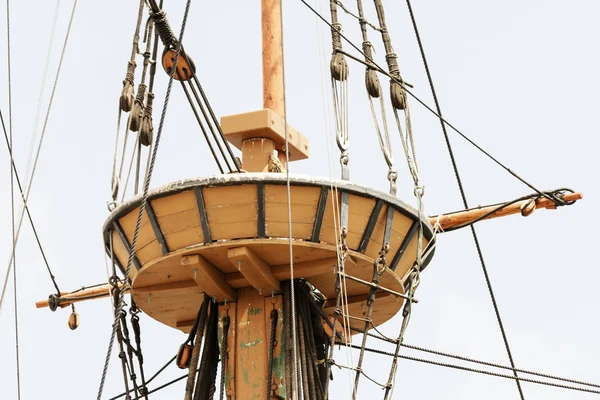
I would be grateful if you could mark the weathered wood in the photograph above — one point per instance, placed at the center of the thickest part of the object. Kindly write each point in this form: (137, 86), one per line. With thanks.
(251, 345)
(451, 220)
(255, 270)
(272, 39)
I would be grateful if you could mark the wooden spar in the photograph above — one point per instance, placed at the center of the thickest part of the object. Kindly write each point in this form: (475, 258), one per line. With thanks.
(66, 299)
(452, 220)
(272, 56)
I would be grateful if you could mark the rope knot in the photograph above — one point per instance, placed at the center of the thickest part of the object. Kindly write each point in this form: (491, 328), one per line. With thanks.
(167, 36)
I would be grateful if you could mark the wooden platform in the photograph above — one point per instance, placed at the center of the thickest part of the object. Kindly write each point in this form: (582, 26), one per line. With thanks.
(220, 234)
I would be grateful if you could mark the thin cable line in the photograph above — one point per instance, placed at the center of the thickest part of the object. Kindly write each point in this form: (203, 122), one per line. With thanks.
(26, 196)
(26, 208)
(374, 65)
(474, 370)
(12, 200)
(296, 391)
(464, 200)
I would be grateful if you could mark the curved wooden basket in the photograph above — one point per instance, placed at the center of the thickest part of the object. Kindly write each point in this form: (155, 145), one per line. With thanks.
(218, 234)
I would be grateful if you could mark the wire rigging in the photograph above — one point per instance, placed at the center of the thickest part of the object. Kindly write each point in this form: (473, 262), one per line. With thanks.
(430, 109)
(26, 208)
(26, 195)
(464, 200)
(12, 202)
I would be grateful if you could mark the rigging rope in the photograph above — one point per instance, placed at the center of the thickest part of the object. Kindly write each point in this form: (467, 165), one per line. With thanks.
(475, 370)
(26, 195)
(430, 109)
(12, 201)
(119, 304)
(297, 373)
(464, 200)
(25, 209)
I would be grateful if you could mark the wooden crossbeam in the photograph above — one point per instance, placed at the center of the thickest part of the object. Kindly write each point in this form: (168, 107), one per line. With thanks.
(254, 269)
(210, 279)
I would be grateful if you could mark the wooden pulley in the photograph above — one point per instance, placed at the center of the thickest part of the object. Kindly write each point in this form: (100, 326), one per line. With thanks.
(184, 356)
(398, 96)
(185, 65)
(74, 321)
(339, 67)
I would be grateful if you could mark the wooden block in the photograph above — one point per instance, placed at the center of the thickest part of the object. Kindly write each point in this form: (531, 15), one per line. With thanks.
(210, 279)
(255, 270)
(264, 124)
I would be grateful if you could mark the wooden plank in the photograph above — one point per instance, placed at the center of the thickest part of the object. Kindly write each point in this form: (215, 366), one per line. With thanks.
(210, 279)
(165, 286)
(255, 270)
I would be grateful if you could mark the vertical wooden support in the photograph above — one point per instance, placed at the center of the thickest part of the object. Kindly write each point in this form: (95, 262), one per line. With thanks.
(251, 346)
(272, 57)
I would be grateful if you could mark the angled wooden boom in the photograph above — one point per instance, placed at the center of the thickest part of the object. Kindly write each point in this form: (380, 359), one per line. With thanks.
(455, 219)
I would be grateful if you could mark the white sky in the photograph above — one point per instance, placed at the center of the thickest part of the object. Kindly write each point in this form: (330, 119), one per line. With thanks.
(519, 78)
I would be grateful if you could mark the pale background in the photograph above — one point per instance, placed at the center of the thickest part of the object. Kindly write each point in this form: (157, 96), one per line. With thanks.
(520, 78)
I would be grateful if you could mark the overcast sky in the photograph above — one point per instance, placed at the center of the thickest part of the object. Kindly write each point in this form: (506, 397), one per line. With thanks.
(518, 77)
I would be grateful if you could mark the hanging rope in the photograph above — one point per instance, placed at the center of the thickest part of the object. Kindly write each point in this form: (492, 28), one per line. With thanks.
(225, 353)
(207, 373)
(198, 331)
(272, 343)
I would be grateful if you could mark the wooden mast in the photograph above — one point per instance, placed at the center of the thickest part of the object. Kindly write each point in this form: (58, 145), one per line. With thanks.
(257, 134)
(272, 57)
